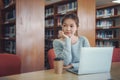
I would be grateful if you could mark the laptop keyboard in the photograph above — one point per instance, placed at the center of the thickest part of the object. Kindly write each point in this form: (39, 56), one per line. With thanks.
(73, 70)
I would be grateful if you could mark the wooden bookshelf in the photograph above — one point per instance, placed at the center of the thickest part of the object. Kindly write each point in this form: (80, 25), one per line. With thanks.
(29, 32)
(108, 25)
(10, 6)
(8, 26)
(59, 9)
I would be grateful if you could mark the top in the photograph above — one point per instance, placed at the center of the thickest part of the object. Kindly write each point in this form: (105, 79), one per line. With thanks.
(70, 52)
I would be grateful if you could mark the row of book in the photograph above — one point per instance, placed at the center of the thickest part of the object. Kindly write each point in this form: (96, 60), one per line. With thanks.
(9, 31)
(100, 23)
(49, 23)
(107, 12)
(108, 34)
(10, 46)
(49, 12)
(59, 20)
(11, 15)
(62, 9)
(105, 23)
(8, 2)
(105, 44)
(49, 44)
(117, 21)
(105, 34)
(117, 33)
(49, 34)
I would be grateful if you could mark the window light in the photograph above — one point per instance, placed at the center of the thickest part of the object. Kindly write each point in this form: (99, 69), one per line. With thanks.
(116, 1)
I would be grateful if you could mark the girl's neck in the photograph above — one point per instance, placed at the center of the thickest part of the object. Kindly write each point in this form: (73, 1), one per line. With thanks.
(74, 39)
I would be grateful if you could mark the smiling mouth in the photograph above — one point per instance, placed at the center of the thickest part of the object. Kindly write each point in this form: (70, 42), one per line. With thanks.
(68, 32)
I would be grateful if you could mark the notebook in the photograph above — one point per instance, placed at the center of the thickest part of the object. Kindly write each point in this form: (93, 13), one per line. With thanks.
(94, 60)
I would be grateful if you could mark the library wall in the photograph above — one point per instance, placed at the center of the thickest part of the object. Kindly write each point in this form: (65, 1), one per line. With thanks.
(30, 34)
(86, 14)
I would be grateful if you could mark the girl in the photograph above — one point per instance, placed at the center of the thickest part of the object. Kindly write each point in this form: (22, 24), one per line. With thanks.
(69, 44)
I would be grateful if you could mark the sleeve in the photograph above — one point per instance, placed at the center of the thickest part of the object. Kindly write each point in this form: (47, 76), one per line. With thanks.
(86, 42)
(64, 51)
(75, 65)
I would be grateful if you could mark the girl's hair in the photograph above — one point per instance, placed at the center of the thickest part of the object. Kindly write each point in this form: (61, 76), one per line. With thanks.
(71, 16)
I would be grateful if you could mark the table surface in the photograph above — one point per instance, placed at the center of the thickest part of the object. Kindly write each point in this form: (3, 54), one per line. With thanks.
(50, 75)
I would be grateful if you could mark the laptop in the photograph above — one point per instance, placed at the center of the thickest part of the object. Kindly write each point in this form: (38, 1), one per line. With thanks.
(94, 60)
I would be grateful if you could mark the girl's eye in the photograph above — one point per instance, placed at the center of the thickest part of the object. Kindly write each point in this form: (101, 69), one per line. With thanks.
(71, 26)
(64, 25)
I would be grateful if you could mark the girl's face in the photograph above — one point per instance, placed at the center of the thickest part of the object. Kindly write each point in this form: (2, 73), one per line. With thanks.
(69, 27)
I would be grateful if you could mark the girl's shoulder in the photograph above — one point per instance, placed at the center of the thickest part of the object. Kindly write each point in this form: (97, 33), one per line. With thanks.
(82, 37)
(57, 41)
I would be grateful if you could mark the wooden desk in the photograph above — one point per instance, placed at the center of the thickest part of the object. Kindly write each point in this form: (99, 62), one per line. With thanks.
(50, 75)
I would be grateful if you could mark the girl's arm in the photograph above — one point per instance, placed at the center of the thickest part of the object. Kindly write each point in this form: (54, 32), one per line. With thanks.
(63, 49)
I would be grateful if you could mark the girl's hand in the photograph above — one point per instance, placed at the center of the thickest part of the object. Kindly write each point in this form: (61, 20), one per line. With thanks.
(67, 67)
(62, 35)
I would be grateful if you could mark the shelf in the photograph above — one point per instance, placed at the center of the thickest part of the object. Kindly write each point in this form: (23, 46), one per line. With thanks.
(9, 6)
(51, 28)
(7, 38)
(59, 27)
(59, 14)
(60, 2)
(113, 27)
(8, 22)
(62, 14)
(49, 17)
(12, 21)
(107, 17)
(115, 39)
(9, 52)
(50, 38)
(107, 6)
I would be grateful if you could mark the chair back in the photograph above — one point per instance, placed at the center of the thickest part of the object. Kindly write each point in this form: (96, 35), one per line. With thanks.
(51, 56)
(9, 64)
(116, 55)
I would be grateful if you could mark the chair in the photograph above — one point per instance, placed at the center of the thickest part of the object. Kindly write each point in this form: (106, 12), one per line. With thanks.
(51, 56)
(116, 55)
(9, 64)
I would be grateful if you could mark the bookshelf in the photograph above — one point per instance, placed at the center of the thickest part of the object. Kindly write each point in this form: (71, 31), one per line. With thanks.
(8, 26)
(22, 25)
(53, 16)
(54, 13)
(108, 26)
